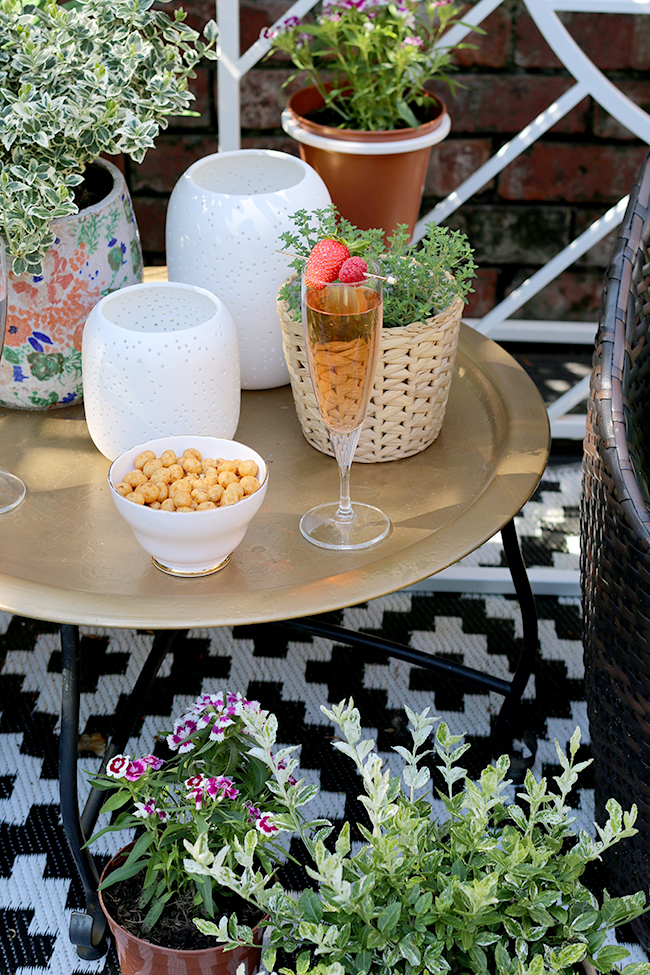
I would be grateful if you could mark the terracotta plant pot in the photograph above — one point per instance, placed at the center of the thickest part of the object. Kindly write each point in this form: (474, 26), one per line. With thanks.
(375, 179)
(97, 250)
(137, 956)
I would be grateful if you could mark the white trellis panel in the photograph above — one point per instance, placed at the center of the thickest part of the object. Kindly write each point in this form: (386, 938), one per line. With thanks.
(499, 324)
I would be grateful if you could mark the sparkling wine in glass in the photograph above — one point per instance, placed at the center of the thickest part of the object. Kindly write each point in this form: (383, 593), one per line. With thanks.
(12, 489)
(342, 326)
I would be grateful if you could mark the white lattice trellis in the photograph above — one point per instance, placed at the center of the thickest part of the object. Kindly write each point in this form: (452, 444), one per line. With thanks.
(499, 324)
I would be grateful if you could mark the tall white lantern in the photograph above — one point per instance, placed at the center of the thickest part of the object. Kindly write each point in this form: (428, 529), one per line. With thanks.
(224, 221)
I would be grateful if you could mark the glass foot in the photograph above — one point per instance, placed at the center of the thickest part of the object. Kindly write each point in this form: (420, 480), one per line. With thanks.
(12, 491)
(320, 526)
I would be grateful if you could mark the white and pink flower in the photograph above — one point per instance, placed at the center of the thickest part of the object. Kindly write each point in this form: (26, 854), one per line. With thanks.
(153, 762)
(149, 808)
(265, 825)
(181, 737)
(117, 766)
(136, 769)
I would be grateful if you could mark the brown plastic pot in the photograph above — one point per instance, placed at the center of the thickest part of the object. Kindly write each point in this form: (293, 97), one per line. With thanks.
(374, 178)
(137, 956)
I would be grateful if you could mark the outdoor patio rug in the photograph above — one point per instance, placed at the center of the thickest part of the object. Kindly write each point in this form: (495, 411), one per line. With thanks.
(291, 676)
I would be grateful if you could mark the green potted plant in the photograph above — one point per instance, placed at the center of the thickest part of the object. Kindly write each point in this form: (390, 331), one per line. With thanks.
(78, 81)
(492, 888)
(423, 303)
(213, 784)
(366, 120)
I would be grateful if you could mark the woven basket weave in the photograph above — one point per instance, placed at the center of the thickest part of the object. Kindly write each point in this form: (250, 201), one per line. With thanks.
(409, 398)
(615, 548)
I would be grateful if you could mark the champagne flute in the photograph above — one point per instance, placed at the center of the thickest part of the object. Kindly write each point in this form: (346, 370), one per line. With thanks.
(12, 489)
(342, 326)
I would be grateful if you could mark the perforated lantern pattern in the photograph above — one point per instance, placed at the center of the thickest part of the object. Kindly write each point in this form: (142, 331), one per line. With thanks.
(224, 221)
(157, 360)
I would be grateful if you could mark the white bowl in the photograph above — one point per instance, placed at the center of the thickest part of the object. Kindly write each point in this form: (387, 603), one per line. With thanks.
(193, 543)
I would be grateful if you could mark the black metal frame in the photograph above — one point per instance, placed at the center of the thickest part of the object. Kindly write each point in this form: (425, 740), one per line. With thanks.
(88, 929)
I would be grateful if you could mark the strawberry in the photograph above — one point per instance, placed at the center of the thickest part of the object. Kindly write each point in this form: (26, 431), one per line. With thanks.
(325, 262)
(352, 270)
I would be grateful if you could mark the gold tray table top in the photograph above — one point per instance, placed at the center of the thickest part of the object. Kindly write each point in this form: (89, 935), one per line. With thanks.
(67, 555)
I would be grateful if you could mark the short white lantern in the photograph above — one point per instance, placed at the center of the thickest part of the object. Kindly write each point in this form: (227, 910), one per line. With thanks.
(224, 221)
(157, 360)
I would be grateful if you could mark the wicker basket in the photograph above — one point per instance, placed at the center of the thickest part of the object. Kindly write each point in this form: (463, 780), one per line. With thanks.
(408, 402)
(615, 549)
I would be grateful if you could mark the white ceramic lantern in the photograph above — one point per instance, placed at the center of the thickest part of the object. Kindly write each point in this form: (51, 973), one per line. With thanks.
(224, 221)
(157, 360)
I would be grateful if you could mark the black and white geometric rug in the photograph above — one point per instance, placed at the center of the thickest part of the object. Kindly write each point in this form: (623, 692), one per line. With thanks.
(291, 676)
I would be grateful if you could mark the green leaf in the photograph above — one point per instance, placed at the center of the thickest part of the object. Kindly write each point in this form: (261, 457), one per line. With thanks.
(608, 956)
(374, 938)
(571, 955)
(363, 960)
(311, 906)
(123, 873)
(409, 951)
(637, 968)
(585, 921)
(388, 918)
(502, 958)
(116, 801)
(156, 910)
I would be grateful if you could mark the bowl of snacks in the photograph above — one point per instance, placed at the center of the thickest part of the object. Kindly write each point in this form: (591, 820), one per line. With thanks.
(188, 500)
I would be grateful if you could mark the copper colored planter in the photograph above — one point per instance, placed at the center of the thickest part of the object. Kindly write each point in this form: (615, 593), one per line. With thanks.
(137, 956)
(369, 187)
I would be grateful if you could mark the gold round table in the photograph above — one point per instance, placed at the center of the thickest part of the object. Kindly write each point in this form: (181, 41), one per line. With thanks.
(68, 557)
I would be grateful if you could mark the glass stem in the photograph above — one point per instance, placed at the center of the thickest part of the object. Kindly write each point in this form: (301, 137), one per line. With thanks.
(344, 446)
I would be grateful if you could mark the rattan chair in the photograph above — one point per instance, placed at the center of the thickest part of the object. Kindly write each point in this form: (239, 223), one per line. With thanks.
(615, 533)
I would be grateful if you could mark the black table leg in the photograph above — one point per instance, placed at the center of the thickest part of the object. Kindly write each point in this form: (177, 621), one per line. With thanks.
(510, 690)
(88, 929)
(530, 642)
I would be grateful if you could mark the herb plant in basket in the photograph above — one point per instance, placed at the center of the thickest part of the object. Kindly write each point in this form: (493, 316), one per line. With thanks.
(212, 785)
(423, 303)
(480, 885)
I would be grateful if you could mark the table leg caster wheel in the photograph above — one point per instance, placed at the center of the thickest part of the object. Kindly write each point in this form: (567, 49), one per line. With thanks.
(89, 935)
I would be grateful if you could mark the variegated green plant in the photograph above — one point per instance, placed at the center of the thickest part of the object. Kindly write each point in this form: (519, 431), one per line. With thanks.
(492, 888)
(78, 80)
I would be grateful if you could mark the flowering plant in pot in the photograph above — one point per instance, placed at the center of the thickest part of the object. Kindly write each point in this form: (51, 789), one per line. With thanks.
(491, 886)
(370, 60)
(422, 306)
(213, 785)
(367, 63)
(79, 81)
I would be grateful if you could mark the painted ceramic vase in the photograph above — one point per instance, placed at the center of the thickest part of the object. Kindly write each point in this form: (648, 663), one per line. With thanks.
(97, 251)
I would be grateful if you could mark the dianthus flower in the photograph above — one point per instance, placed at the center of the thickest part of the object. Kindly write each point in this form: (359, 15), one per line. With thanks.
(117, 766)
(266, 825)
(149, 808)
(136, 769)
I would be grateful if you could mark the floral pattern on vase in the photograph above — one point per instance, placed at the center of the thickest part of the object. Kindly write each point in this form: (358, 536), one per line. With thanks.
(96, 251)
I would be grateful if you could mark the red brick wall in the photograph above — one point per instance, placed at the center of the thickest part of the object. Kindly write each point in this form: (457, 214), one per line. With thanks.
(539, 203)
